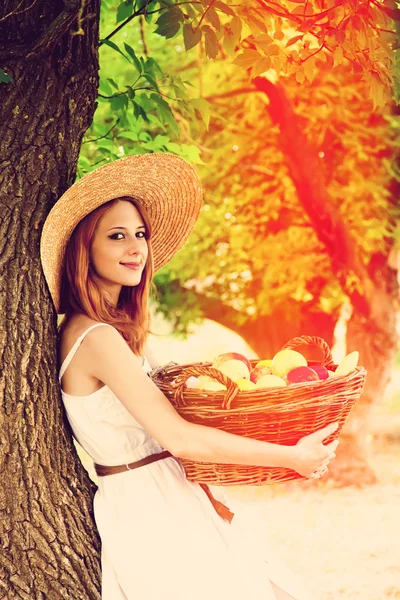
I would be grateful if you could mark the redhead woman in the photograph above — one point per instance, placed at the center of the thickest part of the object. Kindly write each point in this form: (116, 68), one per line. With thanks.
(163, 537)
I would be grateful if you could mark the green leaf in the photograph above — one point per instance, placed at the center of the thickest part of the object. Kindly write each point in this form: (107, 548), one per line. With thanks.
(119, 102)
(236, 26)
(191, 38)
(246, 59)
(152, 81)
(256, 25)
(134, 58)
(169, 23)
(115, 47)
(152, 67)
(260, 66)
(105, 87)
(293, 40)
(211, 42)
(138, 111)
(164, 112)
(4, 77)
(213, 18)
(175, 148)
(124, 11)
(129, 135)
(113, 83)
(224, 8)
(203, 107)
(151, 6)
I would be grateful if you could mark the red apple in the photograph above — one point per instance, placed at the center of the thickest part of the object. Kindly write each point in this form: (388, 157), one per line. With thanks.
(258, 372)
(221, 358)
(300, 374)
(321, 371)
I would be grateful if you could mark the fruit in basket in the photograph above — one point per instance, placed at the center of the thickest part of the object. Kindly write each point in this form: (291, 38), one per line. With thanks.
(264, 363)
(348, 364)
(286, 360)
(270, 381)
(259, 371)
(321, 371)
(209, 384)
(233, 365)
(245, 385)
(301, 374)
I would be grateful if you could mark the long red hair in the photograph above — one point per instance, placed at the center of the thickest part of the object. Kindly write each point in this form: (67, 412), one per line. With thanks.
(81, 294)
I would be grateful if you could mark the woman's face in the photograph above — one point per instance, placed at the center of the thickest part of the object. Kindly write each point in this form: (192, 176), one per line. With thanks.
(119, 249)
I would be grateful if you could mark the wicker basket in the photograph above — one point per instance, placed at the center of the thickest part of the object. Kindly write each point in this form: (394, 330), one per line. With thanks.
(279, 415)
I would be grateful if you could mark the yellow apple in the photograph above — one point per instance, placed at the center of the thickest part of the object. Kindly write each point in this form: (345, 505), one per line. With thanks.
(234, 369)
(264, 363)
(348, 364)
(209, 384)
(259, 371)
(270, 381)
(287, 360)
(245, 385)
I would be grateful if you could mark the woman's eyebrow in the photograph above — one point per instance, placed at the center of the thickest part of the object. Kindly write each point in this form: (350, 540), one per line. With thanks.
(120, 227)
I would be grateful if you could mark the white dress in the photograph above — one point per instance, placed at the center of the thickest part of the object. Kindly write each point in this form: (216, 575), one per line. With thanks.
(161, 537)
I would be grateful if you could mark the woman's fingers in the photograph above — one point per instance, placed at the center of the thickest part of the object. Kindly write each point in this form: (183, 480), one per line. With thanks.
(332, 446)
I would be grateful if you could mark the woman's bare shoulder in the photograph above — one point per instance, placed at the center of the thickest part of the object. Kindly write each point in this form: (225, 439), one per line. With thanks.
(76, 325)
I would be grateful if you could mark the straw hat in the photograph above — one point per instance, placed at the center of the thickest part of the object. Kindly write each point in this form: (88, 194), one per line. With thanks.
(166, 185)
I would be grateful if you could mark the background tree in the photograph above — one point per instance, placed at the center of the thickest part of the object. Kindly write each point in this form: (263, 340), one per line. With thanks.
(48, 54)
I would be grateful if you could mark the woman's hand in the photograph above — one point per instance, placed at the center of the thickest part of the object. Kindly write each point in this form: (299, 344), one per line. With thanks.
(311, 456)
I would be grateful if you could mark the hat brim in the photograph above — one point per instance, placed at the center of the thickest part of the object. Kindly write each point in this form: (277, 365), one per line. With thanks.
(166, 185)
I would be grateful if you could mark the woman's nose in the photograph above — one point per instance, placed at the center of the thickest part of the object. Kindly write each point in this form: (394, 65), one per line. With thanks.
(134, 247)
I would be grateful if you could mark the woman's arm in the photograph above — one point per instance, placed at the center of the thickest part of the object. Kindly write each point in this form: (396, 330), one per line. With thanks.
(151, 357)
(111, 361)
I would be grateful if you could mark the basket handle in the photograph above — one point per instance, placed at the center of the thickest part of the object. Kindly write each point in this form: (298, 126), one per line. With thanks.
(180, 383)
(311, 340)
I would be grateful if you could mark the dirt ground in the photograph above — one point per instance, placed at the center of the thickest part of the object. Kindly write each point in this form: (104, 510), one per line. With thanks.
(344, 542)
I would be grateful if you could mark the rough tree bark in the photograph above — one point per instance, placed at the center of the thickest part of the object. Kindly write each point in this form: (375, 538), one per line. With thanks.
(372, 327)
(49, 545)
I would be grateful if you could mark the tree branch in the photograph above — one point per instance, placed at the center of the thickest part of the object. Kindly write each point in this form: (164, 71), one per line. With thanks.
(328, 224)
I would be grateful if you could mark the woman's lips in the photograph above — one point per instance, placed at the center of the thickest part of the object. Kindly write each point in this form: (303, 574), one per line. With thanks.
(134, 266)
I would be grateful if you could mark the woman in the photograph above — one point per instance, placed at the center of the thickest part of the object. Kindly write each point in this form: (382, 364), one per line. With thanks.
(162, 538)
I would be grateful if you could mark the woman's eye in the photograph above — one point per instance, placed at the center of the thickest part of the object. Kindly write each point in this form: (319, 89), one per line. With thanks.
(139, 234)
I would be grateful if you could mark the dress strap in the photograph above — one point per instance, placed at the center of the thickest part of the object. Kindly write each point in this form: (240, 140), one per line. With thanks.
(75, 347)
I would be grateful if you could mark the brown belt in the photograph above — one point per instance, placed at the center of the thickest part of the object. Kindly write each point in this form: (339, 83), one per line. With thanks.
(102, 471)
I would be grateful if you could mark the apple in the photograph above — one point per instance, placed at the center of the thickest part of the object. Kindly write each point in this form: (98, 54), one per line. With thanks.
(205, 382)
(348, 364)
(259, 371)
(300, 374)
(321, 371)
(286, 360)
(245, 385)
(221, 358)
(270, 381)
(233, 365)
(264, 363)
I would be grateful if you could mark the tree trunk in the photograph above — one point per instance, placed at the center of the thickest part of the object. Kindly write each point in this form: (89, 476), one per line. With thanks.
(372, 328)
(49, 544)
